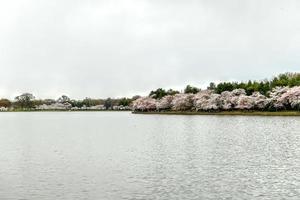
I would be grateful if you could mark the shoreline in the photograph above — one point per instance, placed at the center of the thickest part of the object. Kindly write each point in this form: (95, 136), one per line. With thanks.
(11, 111)
(224, 113)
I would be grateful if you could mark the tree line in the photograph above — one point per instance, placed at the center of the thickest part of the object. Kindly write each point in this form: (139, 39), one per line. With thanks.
(214, 96)
(264, 86)
(280, 93)
(28, 101)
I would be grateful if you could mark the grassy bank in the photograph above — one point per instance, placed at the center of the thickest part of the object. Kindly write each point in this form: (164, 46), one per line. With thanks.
(251, 113)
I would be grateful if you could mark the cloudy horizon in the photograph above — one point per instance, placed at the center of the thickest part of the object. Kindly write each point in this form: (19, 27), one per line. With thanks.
(121, 48)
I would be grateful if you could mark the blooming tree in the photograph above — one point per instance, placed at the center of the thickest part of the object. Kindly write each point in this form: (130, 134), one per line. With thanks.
(225, 100)
(182, 102)
(260, 101)
(55, 106)
(144, 104)
(245, 102)
(233, 100)
(207, 100)
(291, 98)
(165, 103)
(275, 97)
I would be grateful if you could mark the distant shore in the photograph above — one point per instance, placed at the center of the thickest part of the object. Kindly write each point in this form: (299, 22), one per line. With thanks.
(232, 113)
(243, 113)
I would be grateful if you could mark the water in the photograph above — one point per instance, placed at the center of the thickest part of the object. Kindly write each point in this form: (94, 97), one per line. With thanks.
(118, 155)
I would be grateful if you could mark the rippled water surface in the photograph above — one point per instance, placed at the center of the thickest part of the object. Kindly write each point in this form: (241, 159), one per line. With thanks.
(119, 155)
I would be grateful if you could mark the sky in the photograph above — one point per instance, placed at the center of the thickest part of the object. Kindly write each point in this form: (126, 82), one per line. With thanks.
(115, 48)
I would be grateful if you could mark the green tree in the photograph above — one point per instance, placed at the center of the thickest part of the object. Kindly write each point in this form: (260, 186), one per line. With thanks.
(158, 94)
(172, 92)
(212, 86)
(108, 103)
(64, 99)
(191, 89)
(225, 86)
(25, 101)
(125, 102)
(88, 102)
(76, 103)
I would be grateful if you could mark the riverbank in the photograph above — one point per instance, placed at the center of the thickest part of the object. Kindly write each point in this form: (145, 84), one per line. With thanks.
(251, 113)
(65, 111)
(245, 113)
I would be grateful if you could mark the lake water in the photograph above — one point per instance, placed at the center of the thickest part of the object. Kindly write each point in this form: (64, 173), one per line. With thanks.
(119, 155)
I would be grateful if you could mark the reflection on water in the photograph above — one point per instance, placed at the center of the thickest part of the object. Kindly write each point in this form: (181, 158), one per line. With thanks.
(118, 155)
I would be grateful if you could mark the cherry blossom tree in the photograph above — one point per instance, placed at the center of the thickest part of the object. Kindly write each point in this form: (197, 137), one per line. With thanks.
(207, 100)
(275, 97)
(165, 103)
(225, 100)
(182, 102)
(231, 100)
(144, 104)
(245, 102)
(260, 101)
(291, 98)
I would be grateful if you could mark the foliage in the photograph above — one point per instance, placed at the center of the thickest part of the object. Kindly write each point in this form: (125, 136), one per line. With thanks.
(108, 103)
(88, 102)
(144, 104)
(25, 101)
(160, 93)
(5, 103)
(280, 98)
(212, 86)
(64, 99)
(125, 102)
(264, 87)
(165, 103)
(282, 92)
(190, 89)
(182, 102)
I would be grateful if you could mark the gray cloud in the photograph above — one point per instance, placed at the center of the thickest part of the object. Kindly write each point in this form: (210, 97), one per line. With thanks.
(120, 48)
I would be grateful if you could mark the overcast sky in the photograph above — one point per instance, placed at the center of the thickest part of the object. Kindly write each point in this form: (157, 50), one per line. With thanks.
(94, 48)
